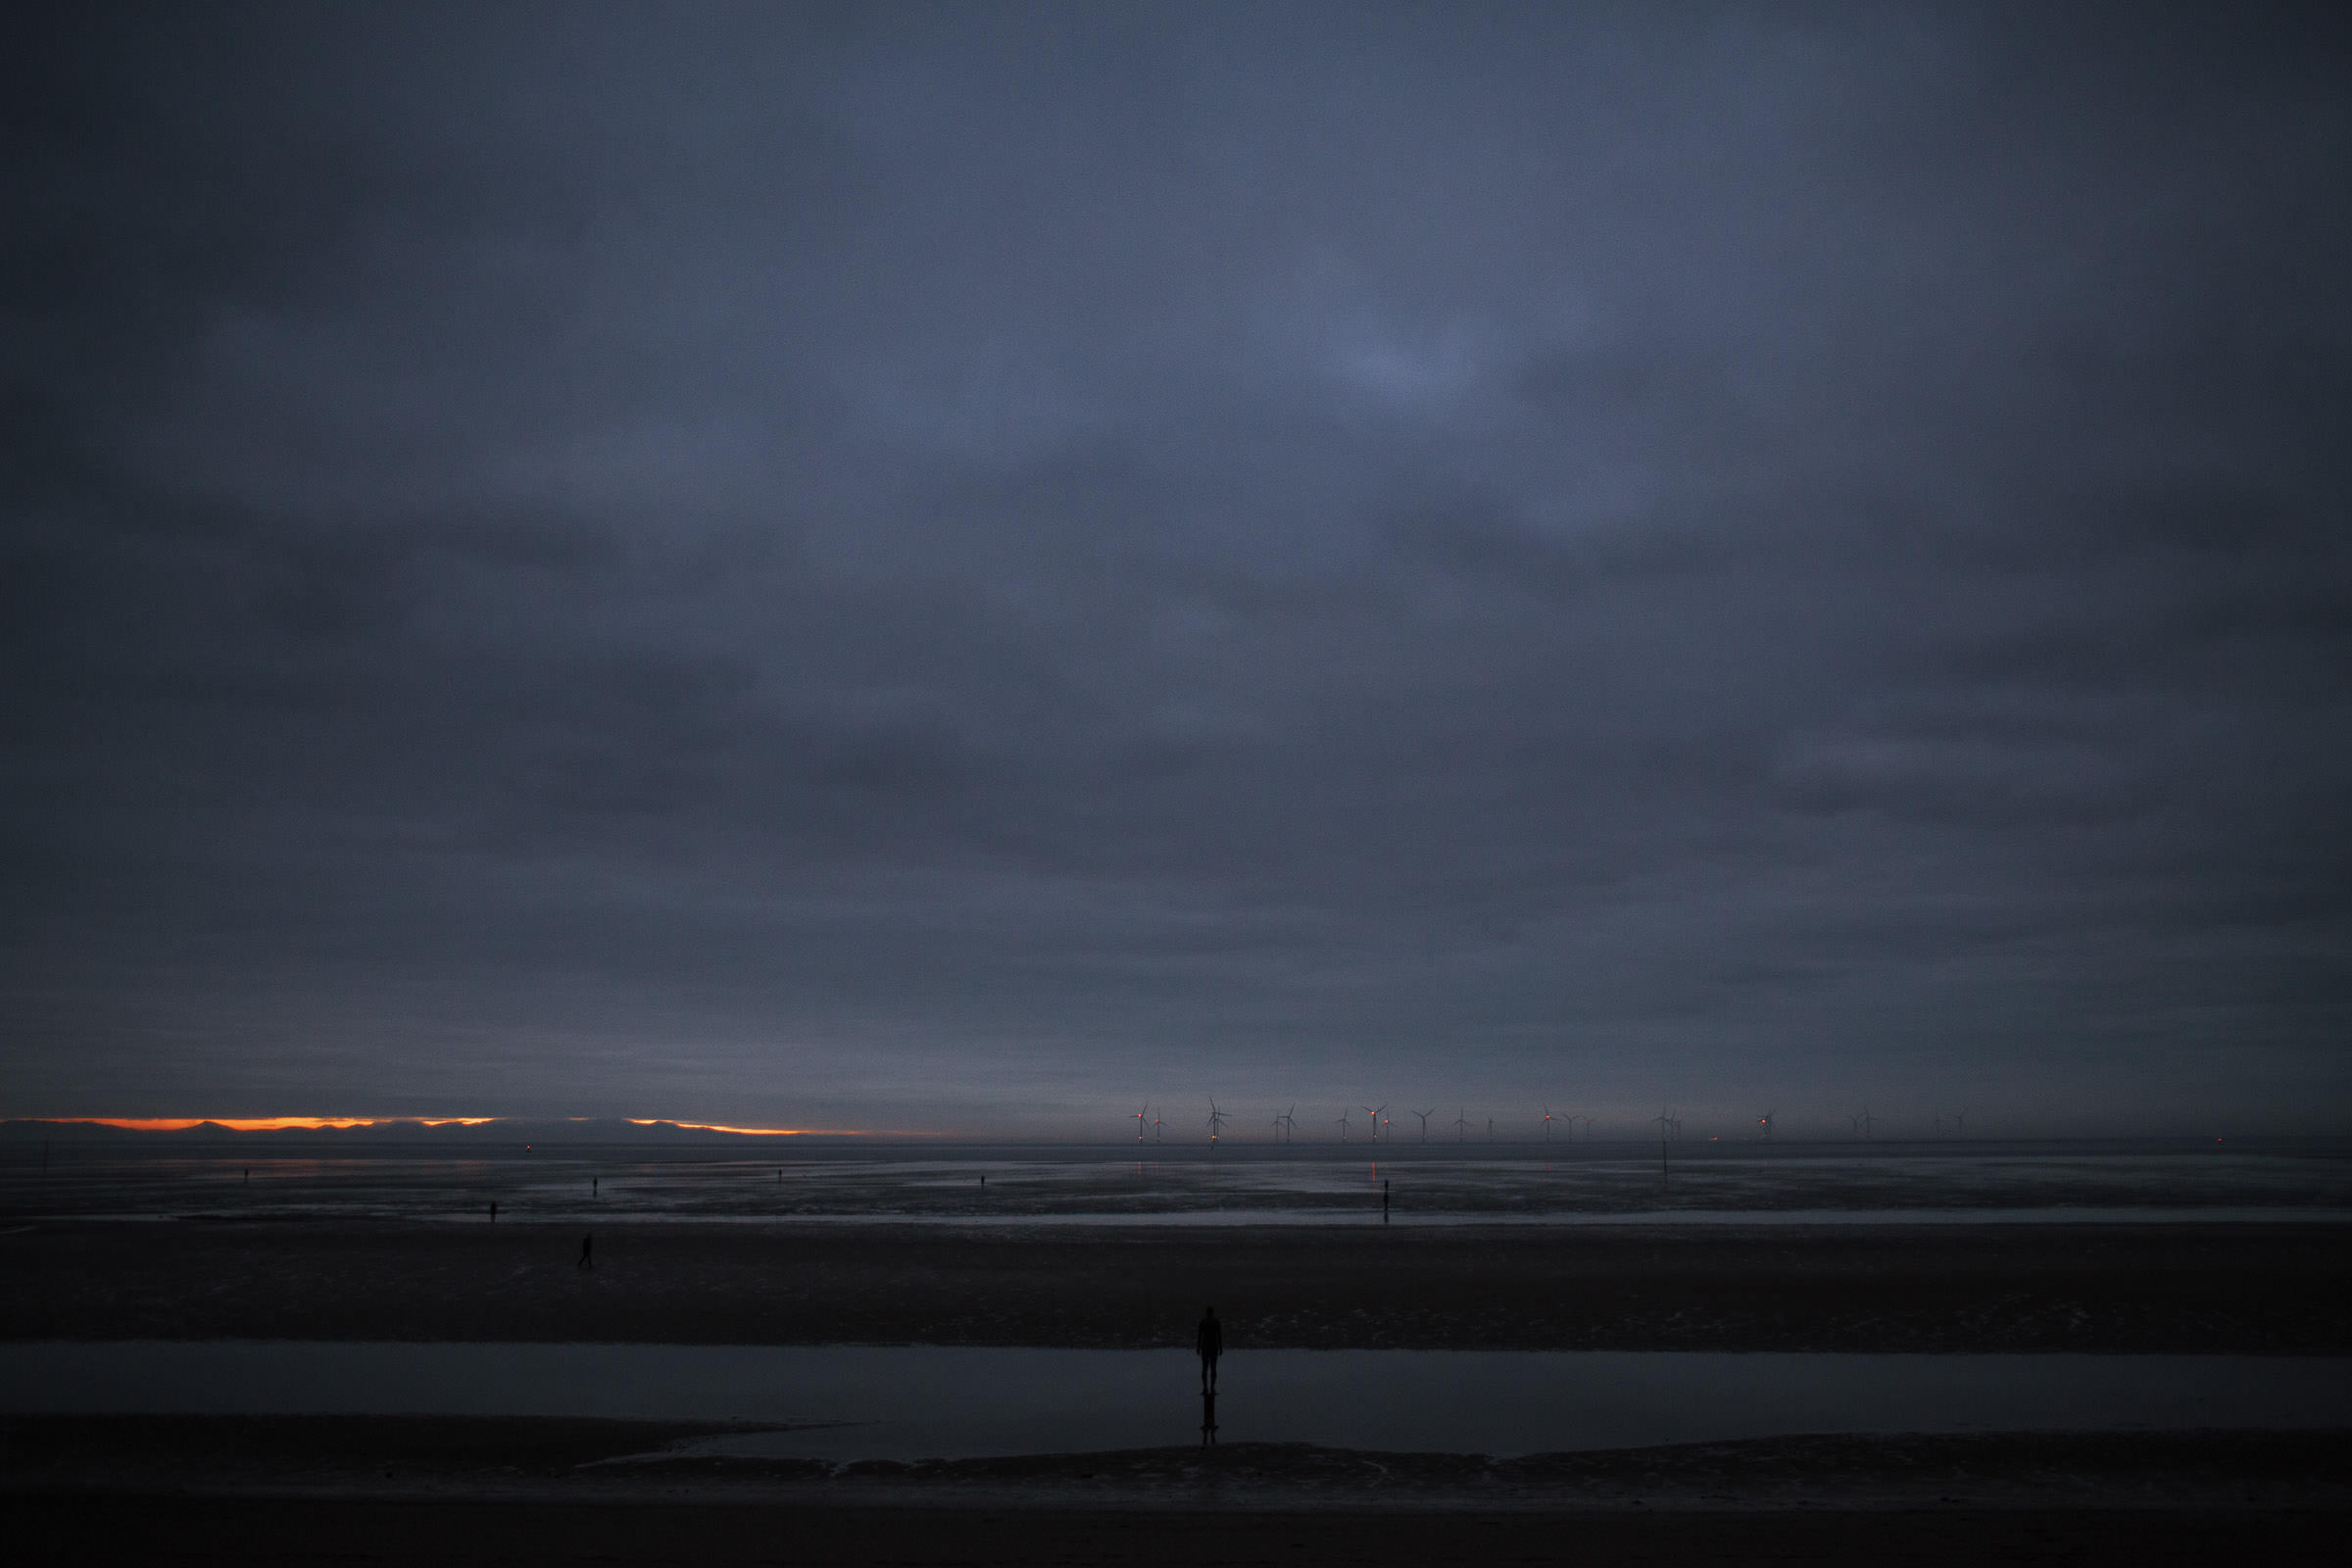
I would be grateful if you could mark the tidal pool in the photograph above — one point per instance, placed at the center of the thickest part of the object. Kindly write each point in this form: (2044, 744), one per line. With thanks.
(939, 1402)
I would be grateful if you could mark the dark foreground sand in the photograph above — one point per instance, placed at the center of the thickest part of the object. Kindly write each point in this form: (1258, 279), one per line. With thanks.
(529, 1458)
(2245, 1289)
(268, 1532)
(371, 1489)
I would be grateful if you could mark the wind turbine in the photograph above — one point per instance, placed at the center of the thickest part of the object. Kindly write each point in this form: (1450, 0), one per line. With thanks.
(1425, 1115)
(1547, 1124)
(1665, 1124)
(1765, 1122)
(1461, 1125)
(1342, 1124)
(1375, 1115)
(1216, 1121)
(1156, 1129)
(1142, 1120)
(1960, 1124)
(1490, 1129)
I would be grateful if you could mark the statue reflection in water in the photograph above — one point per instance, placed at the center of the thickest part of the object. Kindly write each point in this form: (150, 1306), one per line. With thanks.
(1208, 1341)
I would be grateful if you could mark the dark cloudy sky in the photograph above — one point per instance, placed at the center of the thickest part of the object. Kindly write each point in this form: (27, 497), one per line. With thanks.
(897, 566)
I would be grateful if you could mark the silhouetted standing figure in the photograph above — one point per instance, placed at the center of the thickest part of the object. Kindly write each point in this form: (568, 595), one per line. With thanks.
(588, 1251)
(595, 1186)
(494, 1211)
(1210, 1342)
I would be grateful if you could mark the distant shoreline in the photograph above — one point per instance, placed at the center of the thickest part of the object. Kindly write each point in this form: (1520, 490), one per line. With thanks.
(389, 1136)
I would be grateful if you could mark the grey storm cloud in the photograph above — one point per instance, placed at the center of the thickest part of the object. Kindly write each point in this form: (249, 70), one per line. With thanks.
(892, 565)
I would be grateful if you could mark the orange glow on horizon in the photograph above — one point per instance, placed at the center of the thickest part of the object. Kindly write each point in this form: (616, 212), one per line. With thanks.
(263, 1124)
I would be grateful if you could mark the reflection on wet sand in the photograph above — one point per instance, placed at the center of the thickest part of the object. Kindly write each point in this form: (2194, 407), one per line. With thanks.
(933, 1401)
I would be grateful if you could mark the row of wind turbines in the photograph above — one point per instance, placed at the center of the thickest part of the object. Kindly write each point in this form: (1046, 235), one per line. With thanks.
(1149, 1128)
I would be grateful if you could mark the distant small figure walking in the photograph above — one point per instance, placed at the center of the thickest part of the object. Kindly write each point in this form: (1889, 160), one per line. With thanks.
(1208, 1341)
(494, 1211)
(593, 1186)
(588, 1251)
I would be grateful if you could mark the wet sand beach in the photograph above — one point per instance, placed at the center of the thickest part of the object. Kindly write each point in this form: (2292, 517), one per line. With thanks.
(283, 1489)
(2249, 1288)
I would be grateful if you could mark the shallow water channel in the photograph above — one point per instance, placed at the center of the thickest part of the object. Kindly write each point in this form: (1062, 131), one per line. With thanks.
(937, 1401)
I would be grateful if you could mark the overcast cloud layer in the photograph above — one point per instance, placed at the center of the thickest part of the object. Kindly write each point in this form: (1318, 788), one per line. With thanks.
(876, 566)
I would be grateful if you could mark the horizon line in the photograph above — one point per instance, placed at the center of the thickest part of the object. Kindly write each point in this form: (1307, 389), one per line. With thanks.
(1355, 1147)
(259, 1124)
